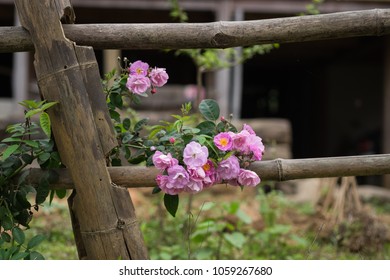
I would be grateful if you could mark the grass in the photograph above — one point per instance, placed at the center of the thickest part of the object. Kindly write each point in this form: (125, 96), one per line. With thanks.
(232, 226)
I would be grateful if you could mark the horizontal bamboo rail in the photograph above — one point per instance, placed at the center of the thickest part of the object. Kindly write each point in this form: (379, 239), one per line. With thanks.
(221, 34)
(275, 170)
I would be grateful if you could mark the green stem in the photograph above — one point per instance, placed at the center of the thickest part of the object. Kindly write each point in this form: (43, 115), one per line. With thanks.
(136, 147)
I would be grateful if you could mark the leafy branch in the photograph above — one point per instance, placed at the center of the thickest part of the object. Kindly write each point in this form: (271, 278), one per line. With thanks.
(28, 142)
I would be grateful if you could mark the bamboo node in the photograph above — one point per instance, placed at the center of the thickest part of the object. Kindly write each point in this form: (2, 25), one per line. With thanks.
(279, 165)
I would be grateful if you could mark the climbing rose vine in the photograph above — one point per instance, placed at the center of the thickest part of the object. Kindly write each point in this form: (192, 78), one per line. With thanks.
(193, 152)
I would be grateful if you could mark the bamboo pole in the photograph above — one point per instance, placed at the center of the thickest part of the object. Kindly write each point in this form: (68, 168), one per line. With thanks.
(275, 170)
(103, 215)
(222, 34)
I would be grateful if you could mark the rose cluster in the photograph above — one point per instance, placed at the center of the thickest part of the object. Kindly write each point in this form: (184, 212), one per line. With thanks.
(196, 170)
(141, 77)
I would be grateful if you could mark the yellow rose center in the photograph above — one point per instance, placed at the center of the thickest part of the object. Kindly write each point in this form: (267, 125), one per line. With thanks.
(223, 142)
(206, 167)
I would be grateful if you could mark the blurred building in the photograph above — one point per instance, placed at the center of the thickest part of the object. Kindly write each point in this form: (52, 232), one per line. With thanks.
(335, 93)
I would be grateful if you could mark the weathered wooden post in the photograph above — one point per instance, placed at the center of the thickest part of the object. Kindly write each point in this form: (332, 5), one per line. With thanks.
(102, 213)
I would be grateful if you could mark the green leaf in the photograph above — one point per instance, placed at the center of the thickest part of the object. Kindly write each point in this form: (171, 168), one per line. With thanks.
(18, 235)
(237, 239)
(156, 189)
(7, 223)
(35, 241)
(24, 217)
(209, 109)
(48, 105)
(127, 137)
(126, 123)
(11, 139)
(171, 203)
(207, 127)
(243, 217)
(42, 191)
(51, 196)
(30, 113)
(44, 121)
(137, 159)
(19, 255)
(32, 143)
(61, 193)
(11, 251)
(43, 158)
(5, 237)
(116, 100)
(22, 200)
(232, 207)
(22, 177)
(9, 151)
(139, 125)
(116, 162)
(221, 127)
(207, 206)
(34, 255)
(29, 104)
(115, 115)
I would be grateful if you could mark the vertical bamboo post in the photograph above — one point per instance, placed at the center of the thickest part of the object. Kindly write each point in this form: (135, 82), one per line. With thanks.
(107, 227)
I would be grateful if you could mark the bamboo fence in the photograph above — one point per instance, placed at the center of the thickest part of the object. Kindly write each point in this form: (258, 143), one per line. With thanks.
(102, 214)
(275, 170)
(222, 34)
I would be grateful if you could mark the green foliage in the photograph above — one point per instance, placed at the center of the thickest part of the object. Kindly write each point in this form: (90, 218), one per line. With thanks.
(18, 198)
(171, 203)
(207, 60)
(177, 12)
(224, 231)
(209, 109)
(210, 60)
(217, 230)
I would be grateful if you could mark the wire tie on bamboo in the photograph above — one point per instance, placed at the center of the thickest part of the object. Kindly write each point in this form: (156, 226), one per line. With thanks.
(121, 225)
(66, 68)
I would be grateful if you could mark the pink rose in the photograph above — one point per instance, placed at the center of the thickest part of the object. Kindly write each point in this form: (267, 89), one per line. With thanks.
(196, 173)
(139, 68)
(228, 168)
(256, 147)
(138, 84)
(178, 178)
(175, 182)
(194, 186)
(248, 178)
(248, 128)
(158, 76)
(195, 155)
(161, 180)
(162, 161)
(223, 141)
(240, 141)
(210, 174)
